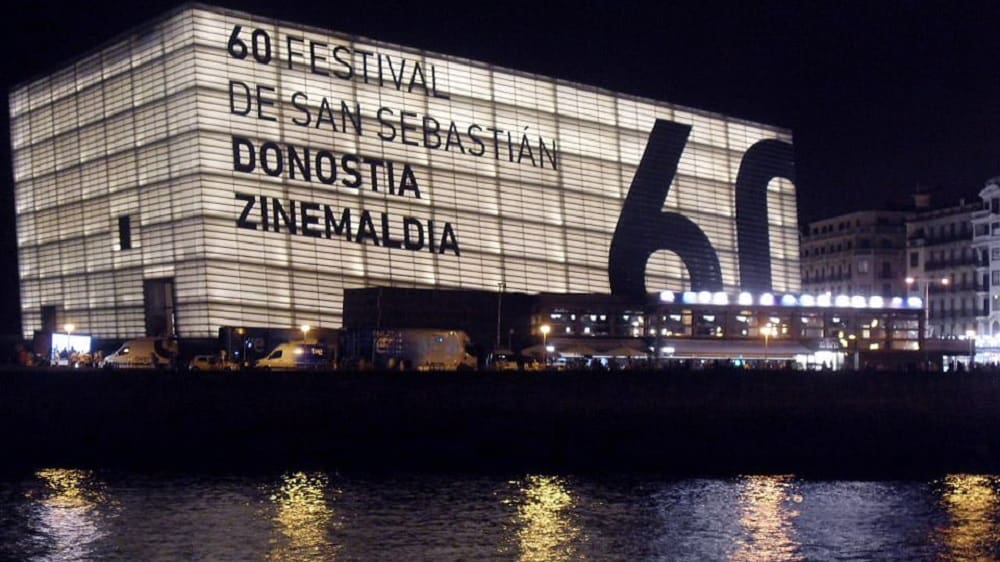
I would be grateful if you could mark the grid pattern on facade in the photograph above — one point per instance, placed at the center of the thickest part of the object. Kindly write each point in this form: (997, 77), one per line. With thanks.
(145, 128)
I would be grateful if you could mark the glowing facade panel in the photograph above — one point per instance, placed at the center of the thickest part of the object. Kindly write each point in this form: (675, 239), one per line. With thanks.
(264, 167)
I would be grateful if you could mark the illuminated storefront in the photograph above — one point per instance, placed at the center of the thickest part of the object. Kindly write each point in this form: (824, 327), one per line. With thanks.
(811, 331)
(220, 169)
(733, 328)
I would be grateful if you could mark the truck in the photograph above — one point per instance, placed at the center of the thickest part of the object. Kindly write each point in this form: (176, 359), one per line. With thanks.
(418, 349)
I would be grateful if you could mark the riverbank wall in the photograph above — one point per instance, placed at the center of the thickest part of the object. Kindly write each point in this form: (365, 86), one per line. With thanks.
(857, 425)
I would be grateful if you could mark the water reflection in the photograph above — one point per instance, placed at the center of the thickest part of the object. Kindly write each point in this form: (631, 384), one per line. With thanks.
(68, 514)
(766, 516)
(303, 519)
(544, 523)
(79, 515)
(973, 508)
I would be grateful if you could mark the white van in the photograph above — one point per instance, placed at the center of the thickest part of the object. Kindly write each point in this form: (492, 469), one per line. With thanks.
(291, 356)
(142, 353)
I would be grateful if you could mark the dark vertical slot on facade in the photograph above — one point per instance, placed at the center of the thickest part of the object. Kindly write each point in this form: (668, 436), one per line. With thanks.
(158, 301)
(125, 232)
(49, 318)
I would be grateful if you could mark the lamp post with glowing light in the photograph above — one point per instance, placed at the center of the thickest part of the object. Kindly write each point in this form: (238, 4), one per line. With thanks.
(305, 331)
(767, 334)
(927, 291)
(242, 355)
(971, 336)
(853, 347)
(69, 336)
(544, 329)
(500, 288)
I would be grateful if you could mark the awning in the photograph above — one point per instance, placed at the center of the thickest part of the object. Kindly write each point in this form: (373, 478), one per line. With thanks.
(538, 351)
(629, 352)
(575, 350)
(733, 349)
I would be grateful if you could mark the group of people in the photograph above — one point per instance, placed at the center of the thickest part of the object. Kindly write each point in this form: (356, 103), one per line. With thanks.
(73, 358)
(69, 357)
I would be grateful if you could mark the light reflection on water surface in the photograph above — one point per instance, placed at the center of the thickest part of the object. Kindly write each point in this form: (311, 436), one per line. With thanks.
(973, 508)
(65, 514)
(304, 519)
(767, 515)
(544, 523)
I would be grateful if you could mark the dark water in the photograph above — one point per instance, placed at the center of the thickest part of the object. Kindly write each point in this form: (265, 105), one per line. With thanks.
(61, 514)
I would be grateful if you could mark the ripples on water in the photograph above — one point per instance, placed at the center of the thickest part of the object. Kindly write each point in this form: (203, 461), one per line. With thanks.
(61, 514)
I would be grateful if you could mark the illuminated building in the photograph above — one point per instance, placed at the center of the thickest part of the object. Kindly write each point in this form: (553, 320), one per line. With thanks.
(860, 253)
(215, 169)
(986, 228)
(943, 265)
(809, 330)
(986, 244)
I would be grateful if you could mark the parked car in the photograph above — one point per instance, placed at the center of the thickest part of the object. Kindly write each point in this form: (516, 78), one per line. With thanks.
(503, 360)
(211, 363)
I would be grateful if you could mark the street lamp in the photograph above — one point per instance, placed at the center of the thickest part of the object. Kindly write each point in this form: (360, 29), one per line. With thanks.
(239, 356)
(500, 288)
(927, 305)
(545, 329)
(305, 331)
(69, 335)
(853, 343)
(767, 334)
(971, 336)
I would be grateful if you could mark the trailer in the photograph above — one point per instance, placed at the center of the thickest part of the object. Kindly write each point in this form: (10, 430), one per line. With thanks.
(409, 349)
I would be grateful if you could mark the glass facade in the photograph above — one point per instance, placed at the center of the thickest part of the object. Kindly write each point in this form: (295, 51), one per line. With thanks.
(260, 168)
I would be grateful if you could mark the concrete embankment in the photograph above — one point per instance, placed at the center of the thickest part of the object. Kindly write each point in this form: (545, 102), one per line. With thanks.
(712, 423)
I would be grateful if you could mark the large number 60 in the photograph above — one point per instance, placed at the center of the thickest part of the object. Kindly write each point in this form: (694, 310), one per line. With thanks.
(260, 45)
(643, 228)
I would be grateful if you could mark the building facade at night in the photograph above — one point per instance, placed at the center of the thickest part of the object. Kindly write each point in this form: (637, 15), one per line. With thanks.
(811, 332)
(943, 267)
(986, 243)
(861, 253)
(213, 168)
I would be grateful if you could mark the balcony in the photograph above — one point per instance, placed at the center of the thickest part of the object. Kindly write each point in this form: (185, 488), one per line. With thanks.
(828, 278)
(961, 313)
(937, 265)
(918, 238)
(937, 289)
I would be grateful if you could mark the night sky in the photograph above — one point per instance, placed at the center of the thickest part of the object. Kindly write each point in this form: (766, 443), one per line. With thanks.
(882, 97)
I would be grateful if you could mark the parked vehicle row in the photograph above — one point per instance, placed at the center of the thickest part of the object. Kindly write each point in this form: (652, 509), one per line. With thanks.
(403, 349)
(421, 350)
